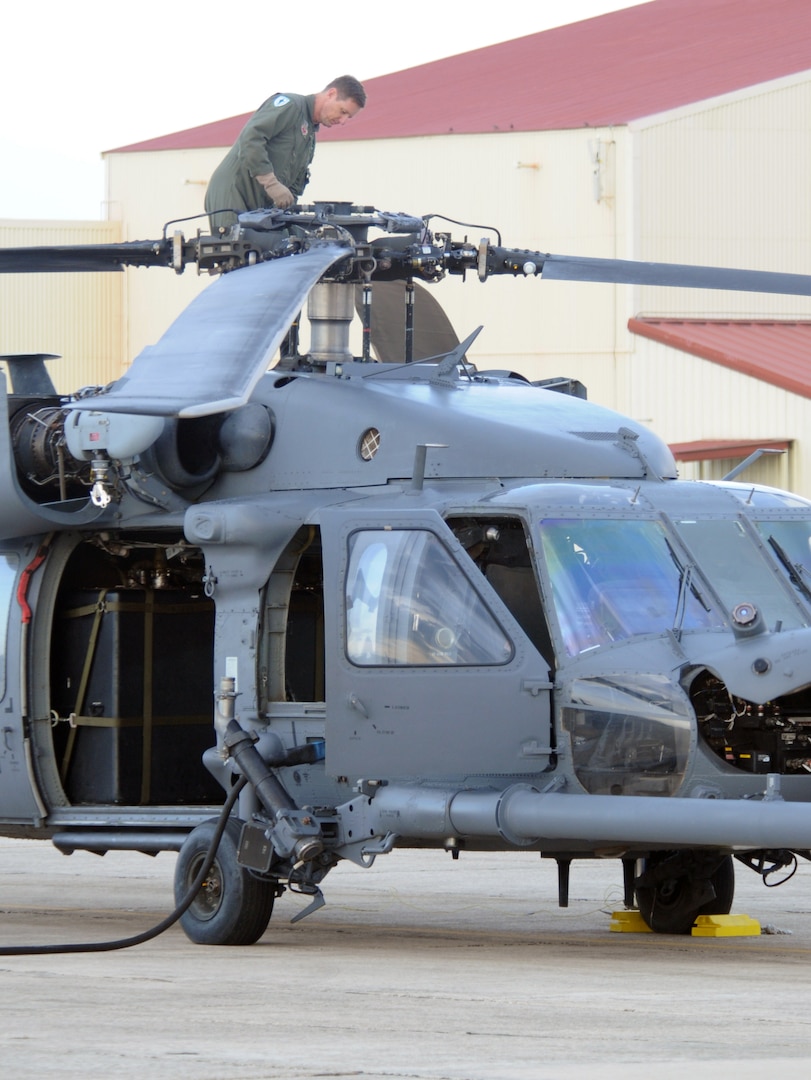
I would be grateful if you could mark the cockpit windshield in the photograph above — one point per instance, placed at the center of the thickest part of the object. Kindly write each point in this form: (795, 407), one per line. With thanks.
(791, 543)
(614, 579)
(741, 572)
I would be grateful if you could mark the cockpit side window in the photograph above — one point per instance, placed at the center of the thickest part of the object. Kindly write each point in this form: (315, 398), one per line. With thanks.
(409, 603)
(498, 547)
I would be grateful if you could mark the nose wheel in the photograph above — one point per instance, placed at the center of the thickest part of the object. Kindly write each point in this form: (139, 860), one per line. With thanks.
(209, 899)
(233, 906)
(674, 888)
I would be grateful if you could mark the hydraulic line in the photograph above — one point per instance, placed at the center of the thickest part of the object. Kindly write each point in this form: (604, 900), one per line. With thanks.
(170, 920)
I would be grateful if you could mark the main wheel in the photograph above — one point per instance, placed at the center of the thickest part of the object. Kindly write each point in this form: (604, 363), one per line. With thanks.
(672, 904)
(233, 907)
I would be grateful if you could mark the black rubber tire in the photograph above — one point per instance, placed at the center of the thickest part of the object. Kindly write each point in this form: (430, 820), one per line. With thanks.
(667, 908)
(233, 907)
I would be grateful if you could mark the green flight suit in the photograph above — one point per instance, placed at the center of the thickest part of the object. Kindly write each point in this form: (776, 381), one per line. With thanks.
(278, 138)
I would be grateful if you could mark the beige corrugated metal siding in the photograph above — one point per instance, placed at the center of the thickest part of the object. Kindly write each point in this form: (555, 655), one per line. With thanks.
(726, 184)
(773, 470)
(723, 183)
(78, 316)
(682, 398)
(145, 191)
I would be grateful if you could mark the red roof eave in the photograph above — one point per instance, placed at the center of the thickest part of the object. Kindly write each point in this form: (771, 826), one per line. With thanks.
(774, 352)
(720, 449)
(600, 72)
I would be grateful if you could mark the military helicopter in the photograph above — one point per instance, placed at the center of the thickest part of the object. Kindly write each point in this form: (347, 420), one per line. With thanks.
(389, 600)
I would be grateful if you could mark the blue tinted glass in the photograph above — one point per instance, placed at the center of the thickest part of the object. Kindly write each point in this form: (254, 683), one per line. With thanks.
(408, 602)
(614, 579)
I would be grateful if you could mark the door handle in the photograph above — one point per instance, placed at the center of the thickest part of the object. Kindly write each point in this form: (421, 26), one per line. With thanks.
(535, 686)
(358, 706)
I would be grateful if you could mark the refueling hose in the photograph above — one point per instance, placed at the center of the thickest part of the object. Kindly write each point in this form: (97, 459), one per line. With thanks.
(170, 920)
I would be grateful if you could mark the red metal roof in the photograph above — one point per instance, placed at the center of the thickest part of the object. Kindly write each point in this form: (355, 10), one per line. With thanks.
(715, 449)
(599, 72)
(778, 353)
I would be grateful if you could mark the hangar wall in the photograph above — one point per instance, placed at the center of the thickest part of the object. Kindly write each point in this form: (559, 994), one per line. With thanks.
(147, 193)
(80, 317)
(684, 398)
(725, 183)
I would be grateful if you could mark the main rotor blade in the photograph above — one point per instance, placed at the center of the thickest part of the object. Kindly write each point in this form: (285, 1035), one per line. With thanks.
(78, 258)
(214, 353)
(623, 272)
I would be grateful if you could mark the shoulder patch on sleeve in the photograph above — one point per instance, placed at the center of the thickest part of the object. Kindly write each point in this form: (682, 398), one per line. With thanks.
(280, 100)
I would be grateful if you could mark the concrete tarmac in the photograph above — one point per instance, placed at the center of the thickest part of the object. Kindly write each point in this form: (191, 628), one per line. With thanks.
(420, 967)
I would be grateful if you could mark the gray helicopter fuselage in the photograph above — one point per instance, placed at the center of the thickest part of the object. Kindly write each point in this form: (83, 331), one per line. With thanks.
(386, 604)
(461, 583)
(474, 427)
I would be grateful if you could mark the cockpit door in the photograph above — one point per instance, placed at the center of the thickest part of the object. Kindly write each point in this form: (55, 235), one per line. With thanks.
(427, 673)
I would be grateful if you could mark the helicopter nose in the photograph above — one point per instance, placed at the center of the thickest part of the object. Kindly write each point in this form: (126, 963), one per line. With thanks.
(765, 667)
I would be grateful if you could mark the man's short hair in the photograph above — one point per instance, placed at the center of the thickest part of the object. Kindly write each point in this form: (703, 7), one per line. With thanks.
(348, 87)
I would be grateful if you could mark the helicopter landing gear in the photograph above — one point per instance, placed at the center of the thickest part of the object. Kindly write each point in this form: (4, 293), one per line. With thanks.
(675, 887)
(233, 907)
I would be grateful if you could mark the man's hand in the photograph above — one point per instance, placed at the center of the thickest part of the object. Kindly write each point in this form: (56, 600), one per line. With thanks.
(275, 189)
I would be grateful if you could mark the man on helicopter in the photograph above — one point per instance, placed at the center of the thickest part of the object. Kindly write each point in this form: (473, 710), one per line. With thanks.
(269, 163)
